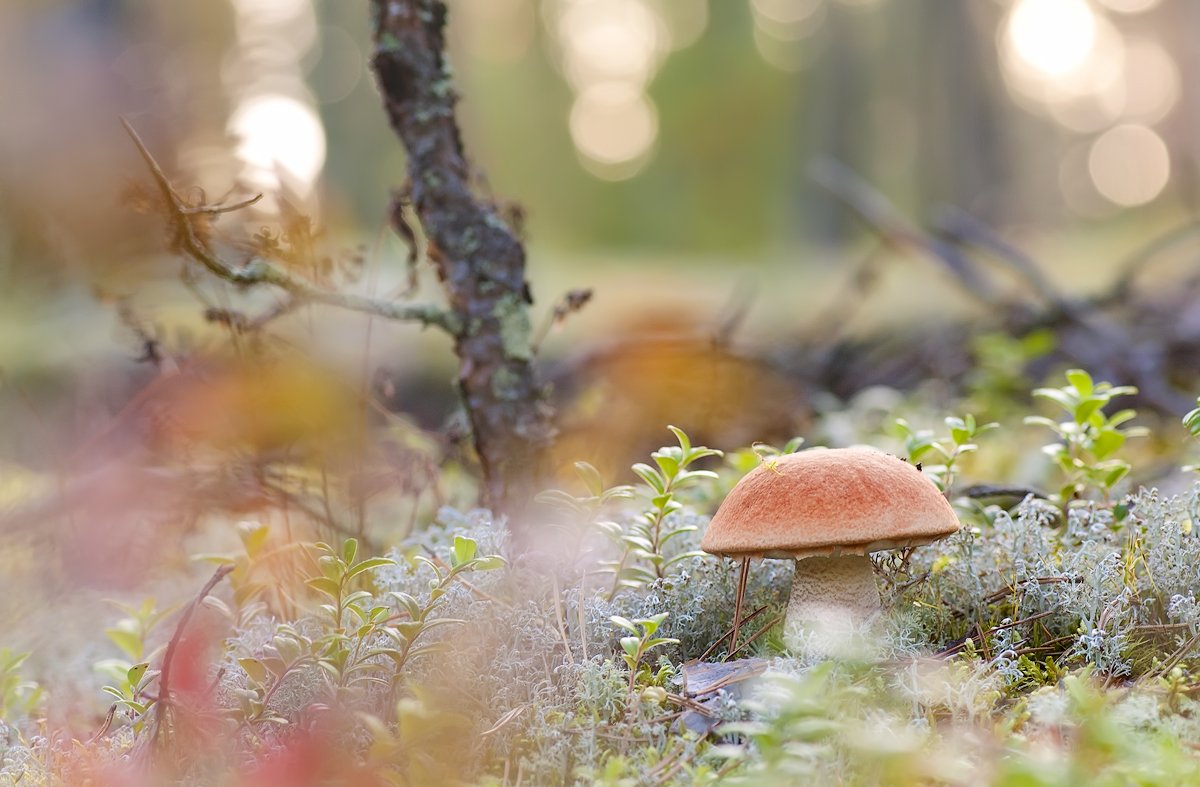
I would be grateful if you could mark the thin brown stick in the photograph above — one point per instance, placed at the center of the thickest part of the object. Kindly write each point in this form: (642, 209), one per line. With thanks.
(743, 577)
(164, 679)
(728, 631)
(758, 634)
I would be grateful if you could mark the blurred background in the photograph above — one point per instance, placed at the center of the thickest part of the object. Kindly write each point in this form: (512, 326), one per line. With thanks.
(662, 152)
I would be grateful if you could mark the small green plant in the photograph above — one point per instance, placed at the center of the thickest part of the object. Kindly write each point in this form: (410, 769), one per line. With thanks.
(639, 642)
(356, 629)
(998, 382)
(356, 622)
(263, 574)
(651, 532)
(18, 696)
(588, 511)
(1090, 438)
(131, 676)
(922, 445)
(642, 543)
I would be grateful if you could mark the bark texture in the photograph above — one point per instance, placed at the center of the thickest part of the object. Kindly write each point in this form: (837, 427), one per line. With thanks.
(479, 258)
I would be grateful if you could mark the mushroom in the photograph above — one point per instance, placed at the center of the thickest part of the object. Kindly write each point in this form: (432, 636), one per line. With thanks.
(827, 509)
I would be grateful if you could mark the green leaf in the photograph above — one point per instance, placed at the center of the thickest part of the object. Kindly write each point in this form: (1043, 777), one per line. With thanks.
(430, 649)
(254, 668)
(254, 536)
(331, 567)
(1115, 474)
(684, 442)
(135, 673)
(349, 550)
(1063, 399)
(591, 478)
(630, 646)
(657, 620)
(1087, 410)
(325, 585)
(1039, 420)
(623, 623)
(437, 570)
(488, 563)
(1082, 382)
(368, 564)
(113, 691)
(650, 476)
(684, 556)
(464, 550)
(1107, 442)
(1192, 421)
(668, 464)
(793, 445)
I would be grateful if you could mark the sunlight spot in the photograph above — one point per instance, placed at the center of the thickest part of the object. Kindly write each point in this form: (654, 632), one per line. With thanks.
(613, 39)
(275, 130)
(614, 125)
(1153, 81)
(1130, 165)
(1055, 37)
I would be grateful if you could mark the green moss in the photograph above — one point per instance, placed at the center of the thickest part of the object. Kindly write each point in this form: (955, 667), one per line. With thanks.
(506, 384)
(515, 331)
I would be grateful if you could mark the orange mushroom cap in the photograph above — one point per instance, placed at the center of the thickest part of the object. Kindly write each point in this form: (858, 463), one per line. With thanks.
(829, 502)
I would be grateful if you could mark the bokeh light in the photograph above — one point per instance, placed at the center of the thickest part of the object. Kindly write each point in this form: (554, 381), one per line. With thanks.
(277, 132)
(1130, 165)
(614, 126)
(609, 51)
(1054, 37)
(280, 140)
(1153, 81)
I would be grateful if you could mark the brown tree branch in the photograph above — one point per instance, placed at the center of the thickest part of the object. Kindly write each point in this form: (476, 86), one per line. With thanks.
(479, 258)
(186, 239)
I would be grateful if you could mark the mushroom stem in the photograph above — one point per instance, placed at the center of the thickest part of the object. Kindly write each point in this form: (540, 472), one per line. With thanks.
(738, 601)
(832, 597)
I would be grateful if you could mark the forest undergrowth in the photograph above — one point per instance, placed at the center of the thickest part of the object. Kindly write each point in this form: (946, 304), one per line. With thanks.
(1053, 640)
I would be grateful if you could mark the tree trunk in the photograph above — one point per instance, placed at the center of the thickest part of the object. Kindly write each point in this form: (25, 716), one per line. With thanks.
(479, 258)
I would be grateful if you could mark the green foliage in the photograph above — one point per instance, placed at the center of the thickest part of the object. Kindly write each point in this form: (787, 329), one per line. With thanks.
(19, 697)
(359, 641)
(589, 511)
(131, 676)
(1042, 645)
(997, 382)
(1090, 439)
(921, 446)
(644, 543)
(639, 642)
(645, 558)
